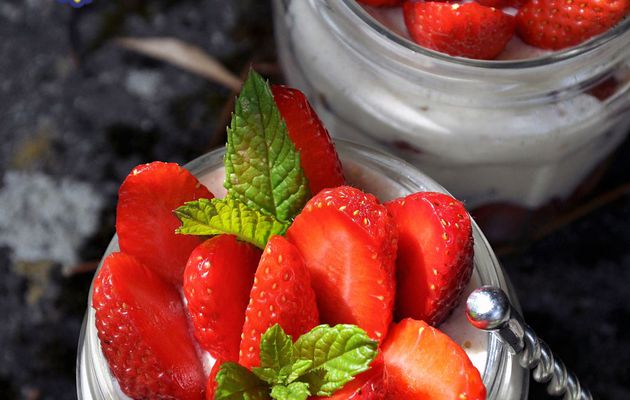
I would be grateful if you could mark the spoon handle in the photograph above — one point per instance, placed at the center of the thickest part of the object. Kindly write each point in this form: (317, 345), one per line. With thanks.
(489, 309)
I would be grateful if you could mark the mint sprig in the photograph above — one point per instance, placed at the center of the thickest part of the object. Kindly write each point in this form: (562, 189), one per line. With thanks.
(319, 363)
(262, 165)
(228, 216)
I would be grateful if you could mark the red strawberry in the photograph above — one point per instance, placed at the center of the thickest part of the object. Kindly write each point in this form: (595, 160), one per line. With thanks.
(370, 385)
(348, 241)
(144, 217)
(381, 3)
(281, 294)
(318, 157)
(435, 255)
(423, 363)
(211, 386)
(556, 24)
(502, 3)
(463, 30)
(144, 333)
(217, 281)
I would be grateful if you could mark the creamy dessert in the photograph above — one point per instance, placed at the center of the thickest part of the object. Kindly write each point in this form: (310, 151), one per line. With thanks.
(284, 264)
(520, 133)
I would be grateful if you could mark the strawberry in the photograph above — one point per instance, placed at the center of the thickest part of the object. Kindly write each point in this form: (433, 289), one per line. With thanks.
(217, 281)
(144, 217)
(318, 157)
(435, 255)
(381, 3)
(370, 385)
(557, 24)
(423, 363)
(502, 3)
(463, 30)
(348, 241)
(144, 333)
(281, 294)
(211, 386)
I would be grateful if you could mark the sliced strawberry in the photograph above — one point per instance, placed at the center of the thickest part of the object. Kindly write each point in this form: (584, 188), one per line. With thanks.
(423, 363)
(370, 385)
(463, 30)
(502, 3)
(281, 294)
(217, 281)
(435, 255)
(144, 217)
(318, 156)
(381, 3)
(348, 241)
(211, 386)
(144, 333)
(557, 24)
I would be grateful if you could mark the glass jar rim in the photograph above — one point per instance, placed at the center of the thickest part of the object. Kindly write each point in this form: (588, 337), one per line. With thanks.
(552, 58)
(97, 380)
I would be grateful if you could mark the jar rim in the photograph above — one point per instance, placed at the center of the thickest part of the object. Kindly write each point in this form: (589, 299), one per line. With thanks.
(548, 59)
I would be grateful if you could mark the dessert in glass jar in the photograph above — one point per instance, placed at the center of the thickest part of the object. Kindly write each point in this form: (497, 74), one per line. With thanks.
(519, 132)
(244, 268)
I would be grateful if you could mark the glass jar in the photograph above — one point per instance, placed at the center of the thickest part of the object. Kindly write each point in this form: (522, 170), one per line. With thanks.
(519, 134)
(388, 178)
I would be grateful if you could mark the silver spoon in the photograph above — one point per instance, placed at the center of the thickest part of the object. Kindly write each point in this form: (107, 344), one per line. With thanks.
(489, 309)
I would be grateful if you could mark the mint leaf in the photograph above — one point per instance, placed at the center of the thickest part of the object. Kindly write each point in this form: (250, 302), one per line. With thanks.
(292, 372)
(228, 216)
(236, 382)
(262, 165)
(276, 349)
(343, 351)
(266, 374)
(294, 391)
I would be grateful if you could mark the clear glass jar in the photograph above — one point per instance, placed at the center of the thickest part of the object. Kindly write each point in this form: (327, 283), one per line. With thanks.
(388, 178)
(522, 133)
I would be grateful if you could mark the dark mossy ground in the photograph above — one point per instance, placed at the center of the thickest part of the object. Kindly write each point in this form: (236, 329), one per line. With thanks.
(77, 112)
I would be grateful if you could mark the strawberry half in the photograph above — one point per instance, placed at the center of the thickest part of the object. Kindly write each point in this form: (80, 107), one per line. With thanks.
(423, 363)
(557, 24)
(145, 222)
(144, 333)
(281, 294)
(435, 255)
(462, 30)
(348, 241)
(217, 281)
(502, 3)
(318, 156)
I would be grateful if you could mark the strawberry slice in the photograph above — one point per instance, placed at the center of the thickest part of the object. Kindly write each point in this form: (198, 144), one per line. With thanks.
(217, 281)
(557, 24)
(318, 156)
(211, 386)
(348, 241)
(144, 333)
(463, 30)
(502, 3)
(370, 385)
(145, 222)
(423, 363)
(435, 255)
(281, 294)
(381, 3)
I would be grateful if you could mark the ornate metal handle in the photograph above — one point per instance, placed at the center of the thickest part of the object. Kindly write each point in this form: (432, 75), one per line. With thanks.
(488, 308)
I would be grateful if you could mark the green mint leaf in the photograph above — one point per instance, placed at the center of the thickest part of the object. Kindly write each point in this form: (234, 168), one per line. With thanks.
(276, 349)
(292, 372)
(316, 378)
(235, 382)
(266, 374)
(228, 216)
(343, 351)
(262, 165)
(293, 391)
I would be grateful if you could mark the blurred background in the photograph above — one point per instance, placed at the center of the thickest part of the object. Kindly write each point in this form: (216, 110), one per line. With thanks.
(79, 108)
